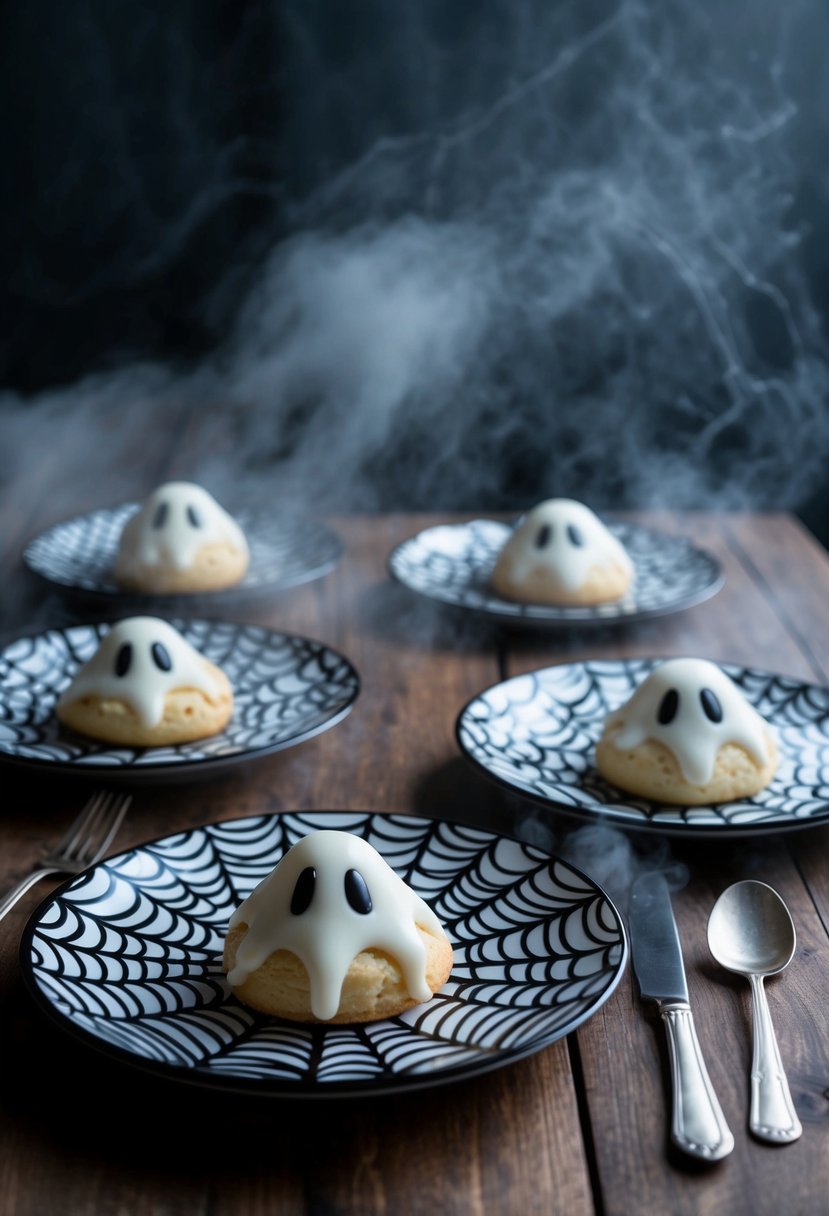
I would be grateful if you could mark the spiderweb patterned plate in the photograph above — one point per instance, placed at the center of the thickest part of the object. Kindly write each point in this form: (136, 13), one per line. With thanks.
(452, 563)
(536, 733)
(79, 554)
(127, 956)
(286, 689)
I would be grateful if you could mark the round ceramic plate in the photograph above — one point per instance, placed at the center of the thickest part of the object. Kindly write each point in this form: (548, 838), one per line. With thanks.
(536, 734)
(286, 689)
(79, 554)
(128, 956)
(453, 563)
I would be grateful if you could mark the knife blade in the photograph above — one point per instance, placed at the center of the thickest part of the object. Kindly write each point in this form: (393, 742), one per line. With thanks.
(698, 1125)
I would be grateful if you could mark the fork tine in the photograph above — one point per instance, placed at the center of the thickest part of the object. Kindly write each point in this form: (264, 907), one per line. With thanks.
(108, 819)
(82, 846)
(79, 826)
(116, 821)
(87, 834)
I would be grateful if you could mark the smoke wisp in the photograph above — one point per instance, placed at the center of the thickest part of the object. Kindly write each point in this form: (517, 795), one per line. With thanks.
(558, 251)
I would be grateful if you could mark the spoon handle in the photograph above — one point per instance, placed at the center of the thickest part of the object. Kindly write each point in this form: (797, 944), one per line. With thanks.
(772, 1116)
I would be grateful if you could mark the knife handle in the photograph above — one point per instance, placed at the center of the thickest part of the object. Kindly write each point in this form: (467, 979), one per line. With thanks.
(698, 1125)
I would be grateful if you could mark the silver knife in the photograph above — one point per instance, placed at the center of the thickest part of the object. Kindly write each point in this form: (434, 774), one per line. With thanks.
(698, 1125)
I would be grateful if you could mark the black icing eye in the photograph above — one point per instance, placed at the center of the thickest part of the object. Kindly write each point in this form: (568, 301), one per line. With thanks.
(303, 891)
(160, 517)
(161, 656)
(668, 707)
(193, 516)
(543, 536)
(574, 536)
(356, 892)
(710, 705)
(123, 659)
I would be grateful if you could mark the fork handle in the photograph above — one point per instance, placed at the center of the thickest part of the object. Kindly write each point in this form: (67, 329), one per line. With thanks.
(11, 897)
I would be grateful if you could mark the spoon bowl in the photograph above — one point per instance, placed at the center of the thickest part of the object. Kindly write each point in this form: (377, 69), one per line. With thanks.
(751, 933)
(750, 930)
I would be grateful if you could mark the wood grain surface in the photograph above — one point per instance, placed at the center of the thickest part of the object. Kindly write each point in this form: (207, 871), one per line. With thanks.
(579, 1128)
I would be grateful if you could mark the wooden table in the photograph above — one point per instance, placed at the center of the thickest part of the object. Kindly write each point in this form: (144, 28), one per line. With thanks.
(580, 1127)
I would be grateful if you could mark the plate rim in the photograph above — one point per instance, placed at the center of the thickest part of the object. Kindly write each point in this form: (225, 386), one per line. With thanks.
(307, 1091)
(173, 770)
(115, 594)
(596, 814)
(560, 620)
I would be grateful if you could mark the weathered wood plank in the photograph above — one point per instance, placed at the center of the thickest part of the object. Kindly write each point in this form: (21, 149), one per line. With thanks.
(792, 568)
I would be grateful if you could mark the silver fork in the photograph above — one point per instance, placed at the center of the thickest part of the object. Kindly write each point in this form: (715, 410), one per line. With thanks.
(85, 843)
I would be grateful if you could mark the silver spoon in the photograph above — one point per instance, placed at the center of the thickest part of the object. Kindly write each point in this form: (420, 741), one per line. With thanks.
(751, 933)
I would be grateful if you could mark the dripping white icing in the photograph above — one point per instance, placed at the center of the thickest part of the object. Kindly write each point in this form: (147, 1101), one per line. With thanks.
(556, 522)
(172, 525)
(144, 684)
(692, 737)
(328, 935)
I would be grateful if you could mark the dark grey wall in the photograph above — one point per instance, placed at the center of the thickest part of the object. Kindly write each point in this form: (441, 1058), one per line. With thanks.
(481, 252)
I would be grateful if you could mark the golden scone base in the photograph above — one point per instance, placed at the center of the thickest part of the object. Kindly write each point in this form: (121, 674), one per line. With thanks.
(373, 988)
(602, 585)
(188, 714)
(216, 566)
(651, 771)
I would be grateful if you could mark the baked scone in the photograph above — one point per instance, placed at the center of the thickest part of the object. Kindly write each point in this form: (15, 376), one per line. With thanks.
(560, 552)
(334, 935)
(146, 686)
(687, 736)
(180, 541)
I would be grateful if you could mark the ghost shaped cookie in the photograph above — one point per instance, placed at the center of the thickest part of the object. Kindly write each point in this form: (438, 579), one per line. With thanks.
(333, 934)
(560, 552)
(687, 736)
(146, 686)
(180, 541)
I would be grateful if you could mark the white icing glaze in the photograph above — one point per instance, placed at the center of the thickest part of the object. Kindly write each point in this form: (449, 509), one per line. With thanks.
(691, 736)
(330, 933)
(145, 542)
(570, 563)
(144, 685)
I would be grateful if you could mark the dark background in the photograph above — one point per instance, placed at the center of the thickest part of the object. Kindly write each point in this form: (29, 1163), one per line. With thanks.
(437, 254)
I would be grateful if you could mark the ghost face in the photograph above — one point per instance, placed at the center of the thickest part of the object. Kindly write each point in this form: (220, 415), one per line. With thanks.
(331, 896)
(566, 540)
(693, 708)
(139, 661)
(175, 521)
(562, 523)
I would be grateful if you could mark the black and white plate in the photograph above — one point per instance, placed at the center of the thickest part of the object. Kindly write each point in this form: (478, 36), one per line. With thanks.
(453, 563)
(536, 733)
(286, 689)
(128, 956)
(79, 554)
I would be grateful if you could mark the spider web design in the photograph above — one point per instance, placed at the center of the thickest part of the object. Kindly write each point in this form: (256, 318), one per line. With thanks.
(286, 688)
(453, 563)
(537, 733)
(80, 553)
(130, 954)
